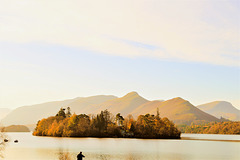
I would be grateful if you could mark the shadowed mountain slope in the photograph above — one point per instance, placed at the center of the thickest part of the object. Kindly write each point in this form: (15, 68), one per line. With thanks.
(221, 109)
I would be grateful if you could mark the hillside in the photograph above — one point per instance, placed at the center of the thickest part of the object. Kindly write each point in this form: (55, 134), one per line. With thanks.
(86, 105)
(221, 109)
(177, 109)
(123, 105)
(4, 112)
(31, 114)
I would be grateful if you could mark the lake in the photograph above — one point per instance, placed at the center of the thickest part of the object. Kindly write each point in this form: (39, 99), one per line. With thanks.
(190, 147)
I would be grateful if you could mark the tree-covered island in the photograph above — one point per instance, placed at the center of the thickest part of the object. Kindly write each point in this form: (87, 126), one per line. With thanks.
(65, 124)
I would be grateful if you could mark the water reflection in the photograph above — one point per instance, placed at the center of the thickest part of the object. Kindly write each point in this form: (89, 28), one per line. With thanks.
(62, 155)
(39, 148)
(2, 147)
(2, 144)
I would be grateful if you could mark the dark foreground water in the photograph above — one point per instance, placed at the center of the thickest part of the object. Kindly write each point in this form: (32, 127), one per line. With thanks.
(190, 147)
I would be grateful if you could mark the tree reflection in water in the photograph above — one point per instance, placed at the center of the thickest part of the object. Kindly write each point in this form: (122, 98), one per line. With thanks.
(2, 145)
(64, 155)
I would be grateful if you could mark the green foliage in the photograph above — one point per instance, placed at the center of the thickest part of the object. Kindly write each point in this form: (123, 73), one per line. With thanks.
(103, 125)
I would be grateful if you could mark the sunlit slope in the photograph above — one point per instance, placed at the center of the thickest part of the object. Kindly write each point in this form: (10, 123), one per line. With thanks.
(124, 105)
(148, 107)
(86, 105)
(31, 114)
(177, 109)
(221, 109)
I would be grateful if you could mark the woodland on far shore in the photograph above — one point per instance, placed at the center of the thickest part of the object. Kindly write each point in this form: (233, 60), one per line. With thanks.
(225, 127)
(106, 125)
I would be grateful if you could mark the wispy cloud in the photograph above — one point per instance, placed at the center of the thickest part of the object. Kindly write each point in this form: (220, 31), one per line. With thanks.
(199, 31)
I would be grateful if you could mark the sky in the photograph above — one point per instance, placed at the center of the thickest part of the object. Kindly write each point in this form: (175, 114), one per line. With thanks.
(56, 50)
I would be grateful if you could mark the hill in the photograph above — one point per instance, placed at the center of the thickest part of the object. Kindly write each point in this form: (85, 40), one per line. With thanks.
(4, 112)
(87, 105)
(177, 109)
(221, 109)
(31, 114)
(124, 105)
(15, 128)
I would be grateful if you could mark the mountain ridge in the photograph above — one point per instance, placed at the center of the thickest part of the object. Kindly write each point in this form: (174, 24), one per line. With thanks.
(176, 109)
(221, 109)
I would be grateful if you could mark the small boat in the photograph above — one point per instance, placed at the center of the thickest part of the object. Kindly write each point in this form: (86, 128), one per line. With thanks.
(16, 141)
(5, 140)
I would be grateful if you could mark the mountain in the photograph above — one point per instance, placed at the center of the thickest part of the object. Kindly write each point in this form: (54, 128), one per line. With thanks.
(4, 112)
(221, 109)
(177, 109)
(123, 105)
(31, 114)
(86, 105)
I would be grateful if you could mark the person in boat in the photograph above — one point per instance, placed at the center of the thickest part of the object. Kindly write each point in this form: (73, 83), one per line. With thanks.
(80, 156)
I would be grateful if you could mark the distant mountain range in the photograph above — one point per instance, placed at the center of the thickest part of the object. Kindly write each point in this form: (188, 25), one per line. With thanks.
(177, 109)
(221, 109)
(31, 114)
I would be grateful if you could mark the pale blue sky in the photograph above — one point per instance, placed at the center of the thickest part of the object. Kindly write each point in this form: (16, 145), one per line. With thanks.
(54, 50)
(34, 73)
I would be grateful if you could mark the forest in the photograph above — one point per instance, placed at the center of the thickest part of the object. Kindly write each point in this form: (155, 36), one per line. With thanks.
(226, 127)
(105, 124)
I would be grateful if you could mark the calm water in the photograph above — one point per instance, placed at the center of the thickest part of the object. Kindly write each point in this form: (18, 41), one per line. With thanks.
(191, 146)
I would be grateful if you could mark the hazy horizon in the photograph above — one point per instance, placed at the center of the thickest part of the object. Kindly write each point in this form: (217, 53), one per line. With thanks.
(161, 49)
(12, 108)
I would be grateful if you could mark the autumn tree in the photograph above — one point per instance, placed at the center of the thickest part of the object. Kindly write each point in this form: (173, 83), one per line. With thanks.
(61, 112)
(68, 114)
(102, 125)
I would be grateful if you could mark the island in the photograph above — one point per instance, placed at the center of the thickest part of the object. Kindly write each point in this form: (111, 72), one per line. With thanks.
(15, 128)
(104, 124)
